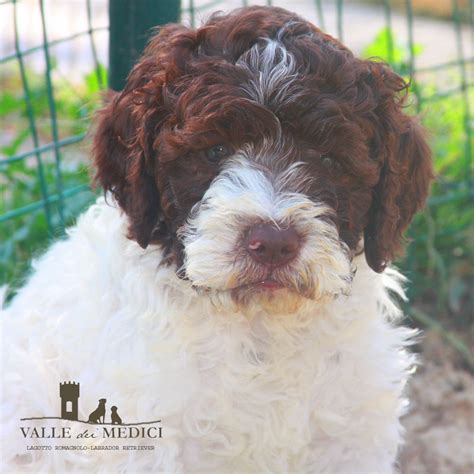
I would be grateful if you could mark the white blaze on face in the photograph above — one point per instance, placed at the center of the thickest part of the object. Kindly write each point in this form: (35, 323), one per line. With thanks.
(248, 192)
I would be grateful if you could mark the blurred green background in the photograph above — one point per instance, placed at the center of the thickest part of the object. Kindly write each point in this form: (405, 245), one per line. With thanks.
(54, 65)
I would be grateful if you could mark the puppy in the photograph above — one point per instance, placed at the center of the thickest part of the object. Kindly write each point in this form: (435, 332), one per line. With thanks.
(235, 281)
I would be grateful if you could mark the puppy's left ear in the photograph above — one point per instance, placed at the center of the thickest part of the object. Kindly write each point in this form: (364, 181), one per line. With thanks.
(405, 175)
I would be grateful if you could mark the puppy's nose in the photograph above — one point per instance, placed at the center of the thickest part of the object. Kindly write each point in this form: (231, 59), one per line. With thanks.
(272, 246)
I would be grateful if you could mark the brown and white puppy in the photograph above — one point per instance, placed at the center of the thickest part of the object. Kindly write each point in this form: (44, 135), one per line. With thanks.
(252, 166)
(264, 86)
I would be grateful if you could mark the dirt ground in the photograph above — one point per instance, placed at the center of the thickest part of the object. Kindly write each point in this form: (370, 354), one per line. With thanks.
(440, 426)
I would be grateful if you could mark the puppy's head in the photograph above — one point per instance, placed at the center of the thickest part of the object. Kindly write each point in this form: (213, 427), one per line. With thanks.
(260, 153)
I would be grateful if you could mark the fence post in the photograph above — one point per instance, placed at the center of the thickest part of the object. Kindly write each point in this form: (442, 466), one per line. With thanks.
(130, 23)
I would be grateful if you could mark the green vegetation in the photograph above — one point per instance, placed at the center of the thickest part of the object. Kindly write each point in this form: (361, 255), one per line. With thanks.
(20, 179)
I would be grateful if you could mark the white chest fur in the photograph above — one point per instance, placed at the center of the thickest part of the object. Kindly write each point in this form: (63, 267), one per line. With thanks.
(319, 391)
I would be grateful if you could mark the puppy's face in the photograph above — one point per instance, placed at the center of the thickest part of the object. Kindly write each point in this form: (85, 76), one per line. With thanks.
(260, 152)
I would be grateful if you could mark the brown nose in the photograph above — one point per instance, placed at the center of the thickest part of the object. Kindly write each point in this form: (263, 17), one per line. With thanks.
(272, 246)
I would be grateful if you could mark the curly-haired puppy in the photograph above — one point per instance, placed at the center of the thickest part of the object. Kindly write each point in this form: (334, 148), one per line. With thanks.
(234, 283)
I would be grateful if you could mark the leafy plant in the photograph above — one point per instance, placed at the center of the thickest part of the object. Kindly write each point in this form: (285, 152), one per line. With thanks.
(25, 181)
(385, 47)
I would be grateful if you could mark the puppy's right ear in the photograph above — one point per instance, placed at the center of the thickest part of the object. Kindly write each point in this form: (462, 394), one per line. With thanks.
(122, 169)
(125, 143)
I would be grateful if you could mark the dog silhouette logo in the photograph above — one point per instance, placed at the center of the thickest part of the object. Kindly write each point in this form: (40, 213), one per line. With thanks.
(116, 420)
(98, 415)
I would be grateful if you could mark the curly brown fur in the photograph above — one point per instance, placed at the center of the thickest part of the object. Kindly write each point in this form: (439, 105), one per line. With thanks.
(185, 95)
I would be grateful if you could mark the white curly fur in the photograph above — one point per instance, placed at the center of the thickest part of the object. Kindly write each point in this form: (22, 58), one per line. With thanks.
(306, 380)
(315, 391)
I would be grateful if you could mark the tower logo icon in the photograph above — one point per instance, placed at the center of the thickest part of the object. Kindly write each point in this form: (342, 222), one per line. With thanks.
(69, 393)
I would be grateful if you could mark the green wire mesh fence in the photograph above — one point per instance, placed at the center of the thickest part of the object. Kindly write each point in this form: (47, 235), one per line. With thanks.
(48, 94)
(42, 184)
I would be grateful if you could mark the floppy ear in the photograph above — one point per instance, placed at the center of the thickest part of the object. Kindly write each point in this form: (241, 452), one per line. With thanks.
(405, 175)
(125, 142)
(122, 169)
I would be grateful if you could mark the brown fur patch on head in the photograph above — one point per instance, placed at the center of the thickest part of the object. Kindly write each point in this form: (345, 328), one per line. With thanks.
(344, 118)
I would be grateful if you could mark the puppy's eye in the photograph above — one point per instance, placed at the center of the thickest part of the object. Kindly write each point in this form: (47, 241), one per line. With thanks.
(217, 153)
(327, 161)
